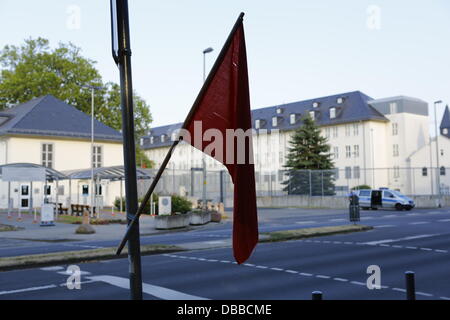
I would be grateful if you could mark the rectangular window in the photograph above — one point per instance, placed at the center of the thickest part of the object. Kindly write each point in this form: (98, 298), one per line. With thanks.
(356, 172)
(312, 114)
(274, 121)
(293, 118)
(347, 130)
(396, 172)
(395, 150)
(348, 172)
(257, 124)
(336, 174)
(335, 132)
(424, 172)
(394, 129)
(356, 151)
(332, 113)
(336, 152)
(47, 155)
(327, 132)
(355, 129)
(348, 151)
(393, 107)
(97, 157)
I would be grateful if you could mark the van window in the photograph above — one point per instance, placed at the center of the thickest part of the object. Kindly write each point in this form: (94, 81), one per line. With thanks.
(364, 193)
(388, 194)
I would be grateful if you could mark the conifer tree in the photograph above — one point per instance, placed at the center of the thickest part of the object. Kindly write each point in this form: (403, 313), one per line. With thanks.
(308, 158)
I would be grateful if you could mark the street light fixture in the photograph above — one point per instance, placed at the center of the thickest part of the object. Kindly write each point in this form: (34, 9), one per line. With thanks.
(438, 172)
(93, 191)
(205, 52)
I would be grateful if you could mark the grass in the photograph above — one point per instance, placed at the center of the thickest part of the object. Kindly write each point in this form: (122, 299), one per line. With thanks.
(79, 220)
(7, 227)
(36, 260)
(312, 232)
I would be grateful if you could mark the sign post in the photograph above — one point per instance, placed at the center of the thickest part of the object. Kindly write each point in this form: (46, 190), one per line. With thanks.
(121, 50)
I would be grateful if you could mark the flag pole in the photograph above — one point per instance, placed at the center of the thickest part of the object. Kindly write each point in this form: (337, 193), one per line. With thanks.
(129, 151)
(185, 125)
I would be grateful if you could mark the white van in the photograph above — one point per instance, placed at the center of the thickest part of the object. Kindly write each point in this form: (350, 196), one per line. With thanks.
(383, 198)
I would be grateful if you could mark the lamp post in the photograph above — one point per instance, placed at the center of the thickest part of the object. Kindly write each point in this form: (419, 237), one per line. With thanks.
(93, 191)
(205, 52)
(438, 170)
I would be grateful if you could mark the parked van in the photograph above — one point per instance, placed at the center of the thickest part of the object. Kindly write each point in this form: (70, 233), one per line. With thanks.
(383, 198)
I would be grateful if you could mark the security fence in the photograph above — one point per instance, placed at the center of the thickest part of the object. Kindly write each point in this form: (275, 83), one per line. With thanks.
(337, 182)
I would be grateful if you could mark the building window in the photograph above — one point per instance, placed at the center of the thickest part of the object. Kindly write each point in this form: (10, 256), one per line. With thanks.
(347, 130)
(315, 105)
(395, 150)
(445, 131)
(442, 171)
(332, 113)
(424, 172)
(152, 140)
(348, 151)
(356, 172)
(312, 114)
(396, 172)
(97, 157)
(335, 132)
(293, 118)
(274, 121)
(442, 152)
(355, 129)
(279, 110)
(356, 151)
(393, 107)
(340, 100)
(348, 172)
(336, 174)
(336, 152)
(327, 132)
(395, 129)
(47, 155)
(257, 124)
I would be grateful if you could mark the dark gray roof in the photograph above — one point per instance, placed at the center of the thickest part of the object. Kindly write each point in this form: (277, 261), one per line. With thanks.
(49, 116)
(107, 173)
(354, 107)
(51, 174)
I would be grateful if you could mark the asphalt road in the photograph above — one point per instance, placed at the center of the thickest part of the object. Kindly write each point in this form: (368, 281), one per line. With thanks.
(417, 240)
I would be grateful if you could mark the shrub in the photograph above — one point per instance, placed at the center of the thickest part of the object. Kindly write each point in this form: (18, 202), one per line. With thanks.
(181, 204)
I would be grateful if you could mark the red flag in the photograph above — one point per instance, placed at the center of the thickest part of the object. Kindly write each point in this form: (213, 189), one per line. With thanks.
(224, 106)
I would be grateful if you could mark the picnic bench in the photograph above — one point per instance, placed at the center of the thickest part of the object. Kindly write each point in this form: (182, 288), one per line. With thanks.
(78, 209)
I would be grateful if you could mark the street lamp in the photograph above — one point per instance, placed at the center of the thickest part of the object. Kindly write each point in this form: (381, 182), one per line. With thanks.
(93, 88)
(438, 173)
(205, 52)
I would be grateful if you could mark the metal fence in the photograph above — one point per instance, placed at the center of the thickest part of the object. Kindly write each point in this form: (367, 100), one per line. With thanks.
(337, 182)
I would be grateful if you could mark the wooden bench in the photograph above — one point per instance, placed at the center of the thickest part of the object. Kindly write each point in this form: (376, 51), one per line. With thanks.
(78, 209)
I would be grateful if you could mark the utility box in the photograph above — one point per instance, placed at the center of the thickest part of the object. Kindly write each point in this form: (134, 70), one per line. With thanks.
(354, 208)
(164, 206)
(47, 215)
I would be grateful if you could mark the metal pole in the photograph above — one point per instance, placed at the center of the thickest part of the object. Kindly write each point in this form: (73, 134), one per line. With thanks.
(431, 167)
(92, 154)
(317, 295)
(410, 285)
(203, 155)
(438, 170)
(129, 151)
(9, 200)
(373, 158)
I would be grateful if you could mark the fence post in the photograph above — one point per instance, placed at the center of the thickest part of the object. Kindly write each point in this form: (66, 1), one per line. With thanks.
(317, 295)
(410, 285)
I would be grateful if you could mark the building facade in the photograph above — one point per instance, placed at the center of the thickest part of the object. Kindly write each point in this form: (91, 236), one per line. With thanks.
(48, 132)
(373, 141)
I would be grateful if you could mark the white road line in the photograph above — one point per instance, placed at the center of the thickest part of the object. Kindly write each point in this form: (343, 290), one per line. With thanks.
(291, 271)
(424, 294)
(322, 276)
(65, 273)
(390, 216)
(367, 218)
(399, 289)
(397, 246)
(400, 239)
(358, 283)
(426, 249)
(156, 291)
(418, 222)
(28, 289)
(249, 265)
(336, 220)
(441, 251)
(385, 226)
(444, 298)
(56, 268)
(225, 261)
(414, 248)
(306, 222)
(305, 274)
(444, 220)
(262, 267)
(276, 269)
(340, 279)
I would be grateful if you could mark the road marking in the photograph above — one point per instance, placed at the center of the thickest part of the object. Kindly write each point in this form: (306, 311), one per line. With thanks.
(276, 269)
(56, 268)
(65, 273)
(426, 249)
(385, 226)
(340, 279)
(225, 261)
(367, 218)
(441, 251)
(444, 298)
(262, 267)
(306, 222)
(305, 274)
(424, 294)
(82, 246)
(400, 239)
(336, 220)
(389, 216)
(444, 220)
(247, 264)
(418, 222)
(358, 283)
(291, 271)
(51, 286)
(411, 248)
(397, 246)
(322, 276)
(156, 291)
(399, 289)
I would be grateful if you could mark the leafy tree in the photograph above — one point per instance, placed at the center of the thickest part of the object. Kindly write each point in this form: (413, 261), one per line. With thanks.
(33, 69)
(309, 152)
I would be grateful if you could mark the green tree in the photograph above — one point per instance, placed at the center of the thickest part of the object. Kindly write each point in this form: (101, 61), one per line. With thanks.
(309, 154)
(33, 69)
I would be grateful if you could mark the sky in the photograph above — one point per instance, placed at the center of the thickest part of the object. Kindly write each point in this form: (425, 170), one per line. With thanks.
(296, 49)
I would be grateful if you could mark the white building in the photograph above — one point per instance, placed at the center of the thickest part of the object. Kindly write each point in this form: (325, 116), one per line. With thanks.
(373, 141)
(51, 133)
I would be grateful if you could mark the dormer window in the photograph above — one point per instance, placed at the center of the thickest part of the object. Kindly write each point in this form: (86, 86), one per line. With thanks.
(292, 118)
(152, 140)
(257, 124)
(315, 104)
(274, 121)
(332, 113)
(279, 110)
(312, 114)
(340, 100)
(142, 141)
(163, 138)
(445, 131)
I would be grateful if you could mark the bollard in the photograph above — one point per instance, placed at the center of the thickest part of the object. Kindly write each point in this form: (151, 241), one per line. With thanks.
(317, 295)
(35, 216)
(410, 286)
